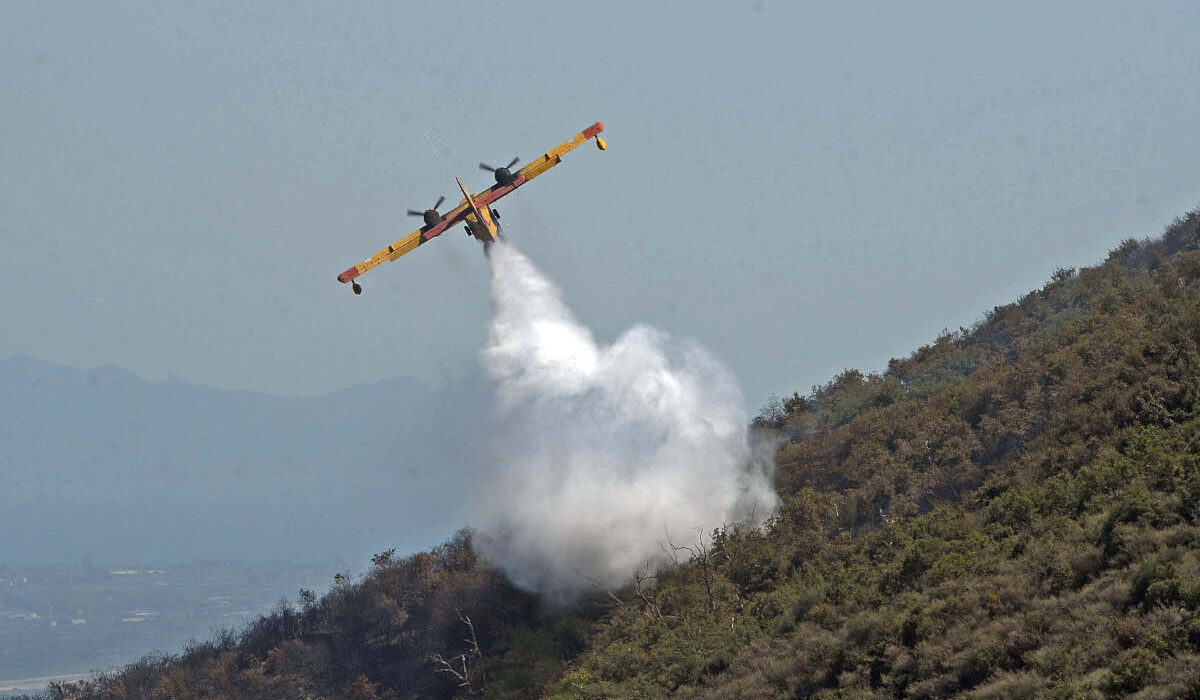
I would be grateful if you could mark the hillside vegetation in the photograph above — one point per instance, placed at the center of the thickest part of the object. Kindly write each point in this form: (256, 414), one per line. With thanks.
(1009, 512)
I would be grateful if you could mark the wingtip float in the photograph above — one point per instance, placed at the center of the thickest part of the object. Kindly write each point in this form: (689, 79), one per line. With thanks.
(475, 211)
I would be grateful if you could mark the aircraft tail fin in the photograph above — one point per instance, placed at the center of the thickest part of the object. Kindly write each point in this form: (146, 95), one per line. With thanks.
(484, 217)
(467, 195)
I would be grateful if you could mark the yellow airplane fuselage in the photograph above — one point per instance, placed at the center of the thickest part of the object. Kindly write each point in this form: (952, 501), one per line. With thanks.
(480, 222)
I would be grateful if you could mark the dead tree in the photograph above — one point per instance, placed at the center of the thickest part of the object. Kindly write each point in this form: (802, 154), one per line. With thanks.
(640, 577)
(702, 554)
(464, 666)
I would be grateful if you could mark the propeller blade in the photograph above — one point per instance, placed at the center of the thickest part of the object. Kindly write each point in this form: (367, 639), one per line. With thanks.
(414, 212)
(485, 166)
(439, 202)
(513, 161)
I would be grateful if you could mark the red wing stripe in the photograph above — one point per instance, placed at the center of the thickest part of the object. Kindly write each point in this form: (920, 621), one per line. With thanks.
(492, 194)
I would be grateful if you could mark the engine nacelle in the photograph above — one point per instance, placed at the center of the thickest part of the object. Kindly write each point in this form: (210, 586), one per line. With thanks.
(504, 177)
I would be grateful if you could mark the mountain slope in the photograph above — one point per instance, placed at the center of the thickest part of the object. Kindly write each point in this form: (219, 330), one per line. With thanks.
(1008, 512)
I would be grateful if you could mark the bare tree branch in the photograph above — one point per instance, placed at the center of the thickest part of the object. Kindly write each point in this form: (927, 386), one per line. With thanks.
(470, 661)
(652, 609)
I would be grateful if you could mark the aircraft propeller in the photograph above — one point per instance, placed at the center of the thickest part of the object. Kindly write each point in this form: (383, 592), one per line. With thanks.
(503, 174)
(431, 215)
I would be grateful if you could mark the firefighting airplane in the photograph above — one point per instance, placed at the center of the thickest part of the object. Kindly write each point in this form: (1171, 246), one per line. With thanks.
(475, 210)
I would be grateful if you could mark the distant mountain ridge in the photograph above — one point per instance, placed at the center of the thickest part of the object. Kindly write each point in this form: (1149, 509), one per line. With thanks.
(103, 463)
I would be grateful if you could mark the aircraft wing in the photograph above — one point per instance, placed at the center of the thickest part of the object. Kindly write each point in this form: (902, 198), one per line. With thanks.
(541, 164)
(407, 244)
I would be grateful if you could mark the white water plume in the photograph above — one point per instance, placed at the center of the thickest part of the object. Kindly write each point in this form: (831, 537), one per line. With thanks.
(600, 453)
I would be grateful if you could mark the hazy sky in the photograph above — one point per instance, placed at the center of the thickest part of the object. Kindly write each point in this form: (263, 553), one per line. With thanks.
(799, 187)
